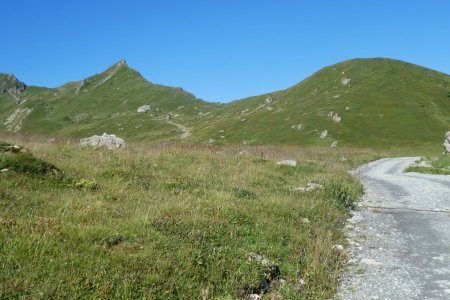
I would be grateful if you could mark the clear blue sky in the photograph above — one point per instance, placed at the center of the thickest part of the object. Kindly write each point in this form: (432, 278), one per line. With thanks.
(217, 50)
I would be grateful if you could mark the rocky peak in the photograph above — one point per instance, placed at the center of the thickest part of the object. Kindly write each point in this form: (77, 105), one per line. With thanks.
(9, 84)
(122, 62)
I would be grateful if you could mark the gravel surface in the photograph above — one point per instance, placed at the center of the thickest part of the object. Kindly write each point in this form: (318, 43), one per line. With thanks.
(399, 236)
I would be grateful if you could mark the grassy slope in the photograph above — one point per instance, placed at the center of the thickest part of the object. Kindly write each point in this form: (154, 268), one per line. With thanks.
(390, 103)
(169, 223)
(106, 106)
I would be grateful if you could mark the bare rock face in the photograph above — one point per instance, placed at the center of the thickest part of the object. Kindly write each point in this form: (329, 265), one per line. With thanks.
(109, 141)
(447, 143)
(14, 121)
(11, 85)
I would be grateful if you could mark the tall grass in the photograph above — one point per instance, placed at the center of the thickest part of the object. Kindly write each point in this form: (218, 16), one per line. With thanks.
(173, 222)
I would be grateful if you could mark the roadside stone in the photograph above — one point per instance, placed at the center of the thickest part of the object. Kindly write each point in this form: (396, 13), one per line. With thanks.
(338, 248)
(447, 143)
(287, 162)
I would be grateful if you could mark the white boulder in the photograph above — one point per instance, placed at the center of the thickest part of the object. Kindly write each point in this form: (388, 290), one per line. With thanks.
(143, 108)
(324, 134)
(109, 141)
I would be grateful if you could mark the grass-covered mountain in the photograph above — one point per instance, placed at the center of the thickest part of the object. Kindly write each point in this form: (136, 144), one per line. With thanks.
(361, 102)
(105, 102)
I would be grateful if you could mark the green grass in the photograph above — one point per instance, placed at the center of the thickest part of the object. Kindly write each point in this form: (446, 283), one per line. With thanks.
(439, 165)
(173, 222)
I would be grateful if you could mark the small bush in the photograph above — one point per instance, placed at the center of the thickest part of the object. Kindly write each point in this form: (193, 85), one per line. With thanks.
(25, 163)
(343, 192)
(87, 184)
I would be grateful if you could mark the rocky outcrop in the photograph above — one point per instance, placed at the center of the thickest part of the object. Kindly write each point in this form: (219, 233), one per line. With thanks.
(109, 141)
(14, 121)
(9, 84)
(447, 143)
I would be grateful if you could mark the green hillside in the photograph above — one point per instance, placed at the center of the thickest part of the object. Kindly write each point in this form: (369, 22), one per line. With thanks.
(362, 102)
(105, 102)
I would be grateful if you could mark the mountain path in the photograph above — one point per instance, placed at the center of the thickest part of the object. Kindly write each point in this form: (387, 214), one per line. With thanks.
(399, 236)
(186, 131)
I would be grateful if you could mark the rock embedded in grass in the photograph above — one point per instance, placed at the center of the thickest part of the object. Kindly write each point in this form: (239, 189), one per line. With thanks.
(287, 162)
(109, 141)
(143, 108)
(311, 187)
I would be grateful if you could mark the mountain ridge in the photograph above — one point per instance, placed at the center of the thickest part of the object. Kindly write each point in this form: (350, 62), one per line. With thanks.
(386, 97)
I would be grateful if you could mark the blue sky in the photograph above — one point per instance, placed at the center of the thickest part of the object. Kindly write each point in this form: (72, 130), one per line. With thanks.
(217, 50)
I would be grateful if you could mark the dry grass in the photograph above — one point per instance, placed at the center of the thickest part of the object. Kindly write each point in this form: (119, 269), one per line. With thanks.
(173, 221)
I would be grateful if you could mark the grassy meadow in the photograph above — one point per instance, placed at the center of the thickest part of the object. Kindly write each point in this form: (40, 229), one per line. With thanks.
(172, 222)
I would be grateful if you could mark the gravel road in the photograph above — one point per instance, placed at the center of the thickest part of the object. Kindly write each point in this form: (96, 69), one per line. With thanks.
(399, 236)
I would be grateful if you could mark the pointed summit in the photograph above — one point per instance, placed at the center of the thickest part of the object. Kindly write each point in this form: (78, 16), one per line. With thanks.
(122, 62)
(9, 84)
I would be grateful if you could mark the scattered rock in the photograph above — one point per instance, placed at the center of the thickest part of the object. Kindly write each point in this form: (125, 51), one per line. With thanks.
(345, 81)
(143, 108)
(268, 100)
(109, 141)
(338, 248)
(253, 297)
(447, 143)
(304, 221)
(287, 162)
(347, 108)
(310, 187)
(211, 141)
(324, 134)
(272, 273)
(297, 126)
(14, 121)
(343, 158)
(334, 144)
(13, 149)
(4, 170)
(335, 117)
(422, 163)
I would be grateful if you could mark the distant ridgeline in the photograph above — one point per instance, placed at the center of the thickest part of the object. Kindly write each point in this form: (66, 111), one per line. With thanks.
(361, 102)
